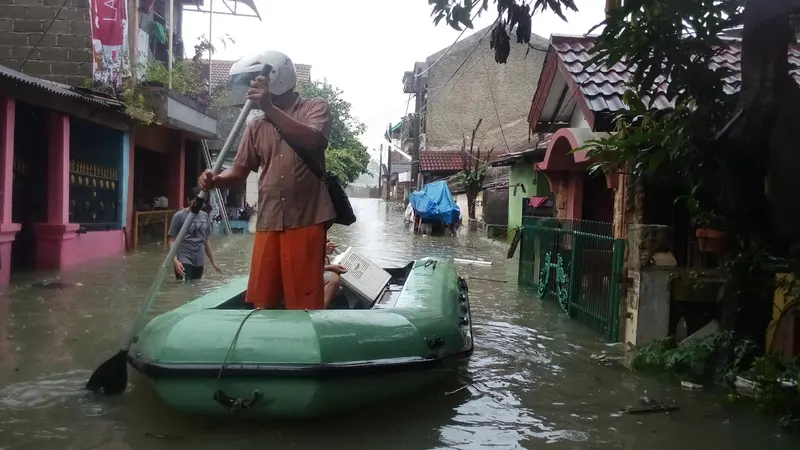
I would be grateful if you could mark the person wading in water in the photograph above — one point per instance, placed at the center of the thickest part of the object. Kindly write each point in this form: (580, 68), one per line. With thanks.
(189, 262)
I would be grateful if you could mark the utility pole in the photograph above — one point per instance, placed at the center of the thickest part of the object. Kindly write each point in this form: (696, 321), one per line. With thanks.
(415, 145)
(388, 172)
(380, 167)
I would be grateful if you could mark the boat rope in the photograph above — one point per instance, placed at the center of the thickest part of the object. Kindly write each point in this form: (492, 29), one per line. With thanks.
(235, 403)
(233, 342)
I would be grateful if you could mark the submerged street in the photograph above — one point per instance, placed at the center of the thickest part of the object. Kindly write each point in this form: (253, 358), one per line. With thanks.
(532, 379)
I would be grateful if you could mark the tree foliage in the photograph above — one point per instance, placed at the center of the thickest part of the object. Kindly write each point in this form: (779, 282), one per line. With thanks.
(346, 156)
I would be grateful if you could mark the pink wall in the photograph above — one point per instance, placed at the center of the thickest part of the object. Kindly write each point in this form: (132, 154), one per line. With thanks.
(8, 229)
(177, 174)
(58, 244)
(93, 246)
(131, 201)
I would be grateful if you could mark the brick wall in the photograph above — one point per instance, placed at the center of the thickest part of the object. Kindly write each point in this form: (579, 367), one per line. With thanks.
(466, 98)
(64, 54)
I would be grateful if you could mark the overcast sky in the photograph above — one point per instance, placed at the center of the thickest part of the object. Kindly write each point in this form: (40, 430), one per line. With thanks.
(361, 46)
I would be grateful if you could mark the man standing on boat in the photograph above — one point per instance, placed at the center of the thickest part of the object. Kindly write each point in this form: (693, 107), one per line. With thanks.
(294, 204)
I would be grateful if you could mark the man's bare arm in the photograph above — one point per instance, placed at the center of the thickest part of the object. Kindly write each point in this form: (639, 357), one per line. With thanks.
(232, 177)
(296, 132)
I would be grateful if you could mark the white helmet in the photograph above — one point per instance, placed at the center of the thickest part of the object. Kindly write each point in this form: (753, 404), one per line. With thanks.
(282, 79)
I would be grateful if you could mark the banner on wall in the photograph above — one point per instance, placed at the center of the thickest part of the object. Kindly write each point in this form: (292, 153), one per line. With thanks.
(109, 40)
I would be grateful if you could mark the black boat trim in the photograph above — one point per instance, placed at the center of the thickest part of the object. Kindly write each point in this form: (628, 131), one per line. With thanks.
(289, 370)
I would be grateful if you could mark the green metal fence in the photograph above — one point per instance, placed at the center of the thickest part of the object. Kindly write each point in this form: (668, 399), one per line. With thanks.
(578, 264)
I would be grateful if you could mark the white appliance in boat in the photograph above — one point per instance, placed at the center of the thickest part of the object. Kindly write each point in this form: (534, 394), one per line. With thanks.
(363, 277)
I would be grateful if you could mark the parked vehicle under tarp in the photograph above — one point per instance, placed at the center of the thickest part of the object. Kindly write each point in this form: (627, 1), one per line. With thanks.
(435, 202)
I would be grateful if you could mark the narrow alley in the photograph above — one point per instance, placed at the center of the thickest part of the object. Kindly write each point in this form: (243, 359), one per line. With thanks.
(532, 381)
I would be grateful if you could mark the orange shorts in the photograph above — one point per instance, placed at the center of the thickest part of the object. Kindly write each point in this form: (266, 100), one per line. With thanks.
(287, 265)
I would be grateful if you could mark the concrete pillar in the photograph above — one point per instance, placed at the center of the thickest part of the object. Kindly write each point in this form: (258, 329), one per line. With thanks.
(177, 168)
(575, 196)
(51, 236)
(8, 229)
(126, 185)
(649, 279)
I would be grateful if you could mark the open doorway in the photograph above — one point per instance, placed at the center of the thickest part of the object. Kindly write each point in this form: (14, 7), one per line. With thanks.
(29, 201)
(598, 199)
(151, 178)
(150, 186)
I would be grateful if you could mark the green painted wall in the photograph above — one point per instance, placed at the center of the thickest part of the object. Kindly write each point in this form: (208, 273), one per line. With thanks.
(535, 184)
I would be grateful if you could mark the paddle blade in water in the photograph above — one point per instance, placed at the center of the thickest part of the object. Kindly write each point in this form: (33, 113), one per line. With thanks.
(112, 376)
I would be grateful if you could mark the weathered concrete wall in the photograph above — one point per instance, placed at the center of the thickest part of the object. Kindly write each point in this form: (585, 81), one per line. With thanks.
(647, 298)
(64, 54)
(466, 98)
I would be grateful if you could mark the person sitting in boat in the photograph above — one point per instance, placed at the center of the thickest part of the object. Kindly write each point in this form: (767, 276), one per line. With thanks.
(189, 261)
(331, 275)
(294, 207)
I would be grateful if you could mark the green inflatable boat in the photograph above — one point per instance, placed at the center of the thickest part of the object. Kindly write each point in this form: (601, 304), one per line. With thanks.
(216, 355)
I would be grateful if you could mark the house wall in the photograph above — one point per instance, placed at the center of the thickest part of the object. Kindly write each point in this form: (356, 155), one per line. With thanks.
(536, 185)
(64, 53)
(461, 201)
(456, 109)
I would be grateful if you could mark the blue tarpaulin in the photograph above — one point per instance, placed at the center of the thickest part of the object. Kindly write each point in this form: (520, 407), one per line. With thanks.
(435, 202)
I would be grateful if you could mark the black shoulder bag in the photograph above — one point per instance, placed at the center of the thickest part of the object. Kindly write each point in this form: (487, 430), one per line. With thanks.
(341, 204)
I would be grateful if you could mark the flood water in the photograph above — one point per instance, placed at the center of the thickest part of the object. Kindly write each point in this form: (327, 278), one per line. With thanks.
(533, 382)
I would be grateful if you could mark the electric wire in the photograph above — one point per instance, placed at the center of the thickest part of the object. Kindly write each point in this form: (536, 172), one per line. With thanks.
(46, 30)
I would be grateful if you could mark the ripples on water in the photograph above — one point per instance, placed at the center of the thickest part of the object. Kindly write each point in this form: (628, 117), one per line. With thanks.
(531, 381)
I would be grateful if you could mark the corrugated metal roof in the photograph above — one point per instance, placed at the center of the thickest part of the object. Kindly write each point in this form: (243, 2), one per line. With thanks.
(59, 88)
(603, 87)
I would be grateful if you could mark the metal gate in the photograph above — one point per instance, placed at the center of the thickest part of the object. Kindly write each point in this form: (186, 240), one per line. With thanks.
(578, 264)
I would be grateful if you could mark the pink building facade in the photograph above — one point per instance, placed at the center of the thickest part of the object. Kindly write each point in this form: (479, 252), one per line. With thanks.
(42, 208)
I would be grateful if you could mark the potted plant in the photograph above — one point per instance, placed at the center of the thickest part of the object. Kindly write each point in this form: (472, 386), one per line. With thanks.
(709, 232)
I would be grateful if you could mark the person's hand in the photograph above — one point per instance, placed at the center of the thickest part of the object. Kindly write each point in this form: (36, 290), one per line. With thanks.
(207, 180)
(259, 93)
(217, 268)
(179, 268)
(336, 268)
(329, 247)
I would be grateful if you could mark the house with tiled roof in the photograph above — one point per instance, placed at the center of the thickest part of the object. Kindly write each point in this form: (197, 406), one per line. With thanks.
(578, 101)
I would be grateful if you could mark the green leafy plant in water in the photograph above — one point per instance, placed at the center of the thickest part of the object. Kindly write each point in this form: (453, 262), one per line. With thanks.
(722, 357)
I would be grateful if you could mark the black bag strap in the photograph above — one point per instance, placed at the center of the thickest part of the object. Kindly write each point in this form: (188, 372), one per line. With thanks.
(303, 154)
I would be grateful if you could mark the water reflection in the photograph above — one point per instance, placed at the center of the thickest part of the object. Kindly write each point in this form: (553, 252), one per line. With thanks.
(531, 382)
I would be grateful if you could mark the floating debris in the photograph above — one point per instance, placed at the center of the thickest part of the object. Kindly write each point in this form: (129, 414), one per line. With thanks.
(165, 437)
(477, 262)
(647, 405)
(690, 385)
(56, 284)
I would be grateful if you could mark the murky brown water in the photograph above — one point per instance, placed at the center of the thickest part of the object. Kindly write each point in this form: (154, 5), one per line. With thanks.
(534, 383)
